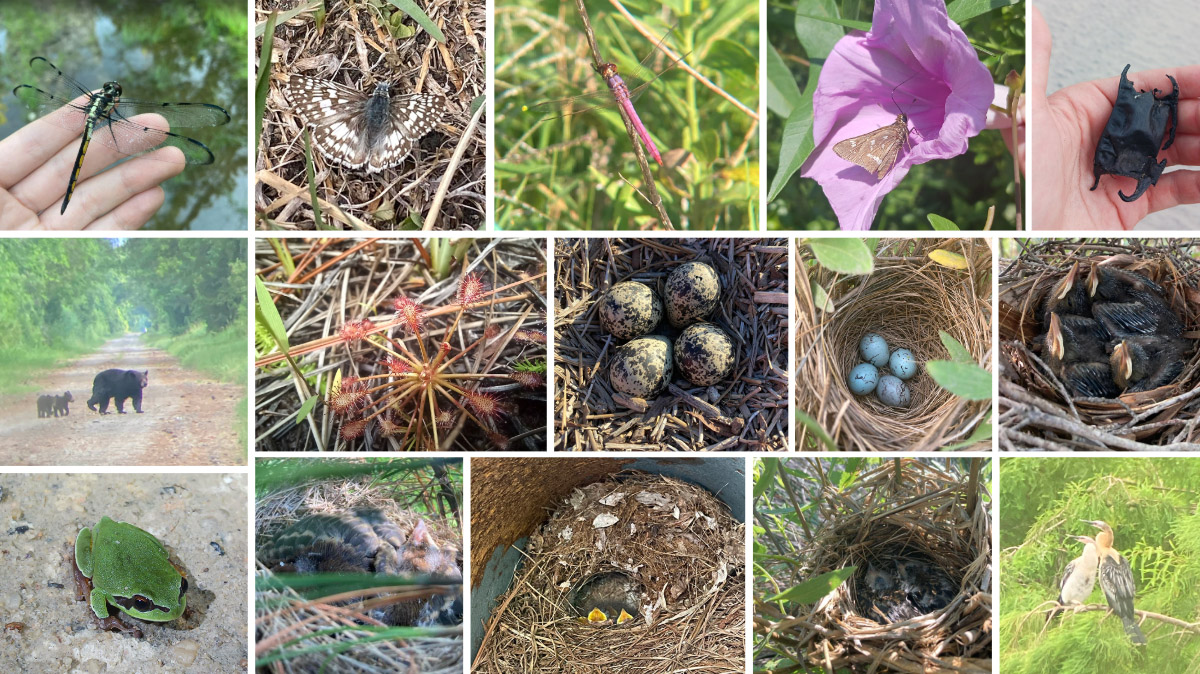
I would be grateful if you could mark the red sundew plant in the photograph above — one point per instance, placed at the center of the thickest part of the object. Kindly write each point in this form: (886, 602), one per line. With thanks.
(422, 393)
(415, 358)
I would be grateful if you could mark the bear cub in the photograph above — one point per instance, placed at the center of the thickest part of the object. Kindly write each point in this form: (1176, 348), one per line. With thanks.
(118, 385)
(54, 406)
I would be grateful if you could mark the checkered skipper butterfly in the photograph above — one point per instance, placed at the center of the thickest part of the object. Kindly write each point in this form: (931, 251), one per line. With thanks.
(877, 150)
(360, 131)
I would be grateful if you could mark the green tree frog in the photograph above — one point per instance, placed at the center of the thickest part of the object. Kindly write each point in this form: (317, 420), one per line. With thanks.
(119, 564)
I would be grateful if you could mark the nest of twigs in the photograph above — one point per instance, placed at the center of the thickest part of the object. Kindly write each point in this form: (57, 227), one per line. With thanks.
(359, 45)
(906, 506)
(322, 287)
(1037, 410)
(283, 616)
(674, 540)
(747, 411)
(907, 299)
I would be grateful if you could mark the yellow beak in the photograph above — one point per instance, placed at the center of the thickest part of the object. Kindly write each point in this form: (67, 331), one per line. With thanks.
(597, 616)
(624, 617)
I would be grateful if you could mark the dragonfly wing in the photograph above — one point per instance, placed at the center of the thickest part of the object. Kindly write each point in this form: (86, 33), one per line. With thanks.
(177, 114)
(143, 134)
(574, 105)
(54, 89)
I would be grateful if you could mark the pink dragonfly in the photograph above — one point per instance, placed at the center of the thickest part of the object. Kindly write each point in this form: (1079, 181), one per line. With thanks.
(621, 95)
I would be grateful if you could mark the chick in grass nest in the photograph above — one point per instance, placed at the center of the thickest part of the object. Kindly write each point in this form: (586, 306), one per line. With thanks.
(365, 541)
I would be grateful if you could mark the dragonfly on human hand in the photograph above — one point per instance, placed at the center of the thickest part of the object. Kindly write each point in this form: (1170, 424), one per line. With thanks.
(618, 94)
(104, 116)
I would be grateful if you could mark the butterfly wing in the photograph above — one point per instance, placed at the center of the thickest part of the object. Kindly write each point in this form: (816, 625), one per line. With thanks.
(358, 130)
(877, 150)
(410, 117)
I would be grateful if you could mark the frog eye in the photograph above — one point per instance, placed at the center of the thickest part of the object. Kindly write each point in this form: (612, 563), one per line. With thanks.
(142, 604)
(182, 588)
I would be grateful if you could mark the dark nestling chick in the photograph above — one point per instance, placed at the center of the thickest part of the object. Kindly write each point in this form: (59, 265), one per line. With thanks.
(1073, 339)
(1146, 362)
(927, 587)
(1125, 319)
(1068, 296)
(881, 599)
(1090, 380)
(1107, 283)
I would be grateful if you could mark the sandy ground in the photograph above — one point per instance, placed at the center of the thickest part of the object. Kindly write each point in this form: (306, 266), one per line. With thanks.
(188, 420)
(199, 517)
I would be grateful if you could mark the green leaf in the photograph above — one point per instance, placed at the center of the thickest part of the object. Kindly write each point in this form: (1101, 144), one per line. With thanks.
(961, 11)
(982, 432)
(813, 426)
(965, 380)
(766, 477)
(814, 589)
(821, 298)
(795, 146)
(817, 27)
(270, 314)
(410, 8)
(310, 174)
(783, 95)
(848, 23)
(263, 86)
(306, 408)
(845, 256)
(941, 224)
(958, 352)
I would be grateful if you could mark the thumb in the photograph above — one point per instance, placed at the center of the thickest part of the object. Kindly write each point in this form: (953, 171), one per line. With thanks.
(1042, 43)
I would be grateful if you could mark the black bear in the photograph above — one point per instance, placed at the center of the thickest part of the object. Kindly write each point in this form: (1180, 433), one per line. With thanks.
(45, 406)
(60, 404)
(118, 385)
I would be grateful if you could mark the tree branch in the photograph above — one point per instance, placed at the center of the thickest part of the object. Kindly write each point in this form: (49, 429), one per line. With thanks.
(1078, 608)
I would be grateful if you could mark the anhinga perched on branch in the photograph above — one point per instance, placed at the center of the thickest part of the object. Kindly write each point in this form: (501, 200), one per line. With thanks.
(1080, 575)
(1116, 579)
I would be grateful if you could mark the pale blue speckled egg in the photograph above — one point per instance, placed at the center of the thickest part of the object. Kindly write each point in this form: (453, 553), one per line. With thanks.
(893, 392)
(874, 349)
(902, 364)
(863, 378)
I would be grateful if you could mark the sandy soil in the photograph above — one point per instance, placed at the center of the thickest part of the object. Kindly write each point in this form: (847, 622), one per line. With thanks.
(199, 517)
(188, 420)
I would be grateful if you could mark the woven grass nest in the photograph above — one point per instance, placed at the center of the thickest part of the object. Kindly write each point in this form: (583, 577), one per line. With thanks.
(1036, 412)
(677, 549)
(747, 411)
(907, 299)
(315, 625)
(922, 512)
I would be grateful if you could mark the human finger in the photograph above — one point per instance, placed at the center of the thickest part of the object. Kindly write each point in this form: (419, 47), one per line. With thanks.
(132, 213)
(102, 193)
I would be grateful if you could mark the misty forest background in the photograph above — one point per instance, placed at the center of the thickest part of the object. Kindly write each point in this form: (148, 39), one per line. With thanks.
(1151, 504)
(63, 298)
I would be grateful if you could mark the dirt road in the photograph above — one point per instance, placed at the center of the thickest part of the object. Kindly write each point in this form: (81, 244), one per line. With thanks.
(188, 419)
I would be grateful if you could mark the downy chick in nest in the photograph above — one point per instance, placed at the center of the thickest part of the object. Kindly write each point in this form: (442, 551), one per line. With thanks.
(893, 590)
(365, 541)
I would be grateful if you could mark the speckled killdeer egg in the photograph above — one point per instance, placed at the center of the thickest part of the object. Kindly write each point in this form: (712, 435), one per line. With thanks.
(692, 291)
(704, 354)
(641, 367)
(630, 309)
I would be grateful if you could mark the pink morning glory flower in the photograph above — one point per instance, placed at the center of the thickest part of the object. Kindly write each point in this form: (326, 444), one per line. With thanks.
(915, 54)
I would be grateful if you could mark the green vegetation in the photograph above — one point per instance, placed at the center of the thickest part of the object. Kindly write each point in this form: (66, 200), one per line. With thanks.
(577, 171)
(1151, 505)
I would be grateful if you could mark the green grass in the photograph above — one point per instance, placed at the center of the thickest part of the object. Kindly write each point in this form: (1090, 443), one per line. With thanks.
(579, 171)
(221, 356)
(22, 366)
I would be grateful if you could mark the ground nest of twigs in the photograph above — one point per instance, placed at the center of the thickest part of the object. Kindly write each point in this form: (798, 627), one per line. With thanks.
(476, 328)
(746, 411)
(1037, 411)
(319, 627)
(359, 46)
(923, 514)
(680, 556)
(907, 299)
